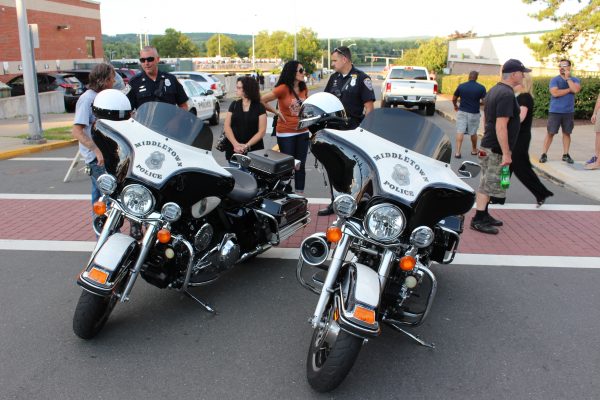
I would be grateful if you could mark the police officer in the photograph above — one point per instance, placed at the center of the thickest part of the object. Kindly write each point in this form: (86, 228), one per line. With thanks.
(354, 89)
(153, 85)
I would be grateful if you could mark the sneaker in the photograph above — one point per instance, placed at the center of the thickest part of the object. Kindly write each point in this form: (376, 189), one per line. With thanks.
(567, 158)
(484, 227)
(543, 158)
(592, 160)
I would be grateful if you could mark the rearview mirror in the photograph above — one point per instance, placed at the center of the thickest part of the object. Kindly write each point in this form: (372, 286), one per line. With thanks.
(208, 92)
(469, 169)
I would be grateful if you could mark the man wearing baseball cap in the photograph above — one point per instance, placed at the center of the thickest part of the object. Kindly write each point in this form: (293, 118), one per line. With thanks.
(501, 130)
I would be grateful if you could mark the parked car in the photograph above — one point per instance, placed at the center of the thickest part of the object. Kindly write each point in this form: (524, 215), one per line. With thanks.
(126, 73)
(208, 81)
(84, 76)
(67, 83)
(409, 86)
(201, 102)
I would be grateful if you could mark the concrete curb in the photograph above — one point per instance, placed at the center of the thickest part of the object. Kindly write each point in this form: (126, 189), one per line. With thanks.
(36, 149)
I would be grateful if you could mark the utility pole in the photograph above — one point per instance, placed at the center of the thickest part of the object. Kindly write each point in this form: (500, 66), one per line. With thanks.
(328, 53)
(29, 77)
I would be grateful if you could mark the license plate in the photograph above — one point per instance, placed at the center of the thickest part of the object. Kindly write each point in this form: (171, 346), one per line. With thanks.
(412, 98)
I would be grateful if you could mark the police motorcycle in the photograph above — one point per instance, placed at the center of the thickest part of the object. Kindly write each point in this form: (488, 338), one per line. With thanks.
(200, 219)
(399, 208)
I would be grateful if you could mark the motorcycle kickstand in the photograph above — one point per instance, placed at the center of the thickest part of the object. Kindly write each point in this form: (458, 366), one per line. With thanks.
(413, 337)
(203, 304)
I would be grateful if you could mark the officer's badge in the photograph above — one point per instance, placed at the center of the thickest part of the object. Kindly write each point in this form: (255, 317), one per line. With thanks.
(353, 81)
(400, 175)
(167, 82)
(369, 84)
(155, 160)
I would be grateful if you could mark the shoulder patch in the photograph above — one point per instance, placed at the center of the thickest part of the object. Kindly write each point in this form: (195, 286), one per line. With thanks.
(368, 84)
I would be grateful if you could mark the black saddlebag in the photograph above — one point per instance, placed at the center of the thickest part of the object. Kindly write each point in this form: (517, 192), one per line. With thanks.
(286, 210)
(269, 162)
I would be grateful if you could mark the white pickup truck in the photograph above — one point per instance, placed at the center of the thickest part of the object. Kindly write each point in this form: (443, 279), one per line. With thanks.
(409, 87)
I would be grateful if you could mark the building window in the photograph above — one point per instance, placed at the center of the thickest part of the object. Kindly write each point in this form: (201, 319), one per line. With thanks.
(89, 43)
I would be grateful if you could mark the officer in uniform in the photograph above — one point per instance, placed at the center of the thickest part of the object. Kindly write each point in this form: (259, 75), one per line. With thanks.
(354, 89)
(153, 85)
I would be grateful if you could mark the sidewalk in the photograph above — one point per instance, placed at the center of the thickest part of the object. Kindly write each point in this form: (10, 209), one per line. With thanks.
(573, 175)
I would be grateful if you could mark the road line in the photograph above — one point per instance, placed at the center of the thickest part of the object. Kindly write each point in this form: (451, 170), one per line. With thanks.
(41, 159)
(321, 200)
(292, 254)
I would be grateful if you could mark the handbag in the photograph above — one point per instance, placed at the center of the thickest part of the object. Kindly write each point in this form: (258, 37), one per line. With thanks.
(221, 142)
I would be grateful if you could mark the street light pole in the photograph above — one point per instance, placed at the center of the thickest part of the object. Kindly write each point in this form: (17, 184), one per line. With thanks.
(295, 44)
(29, 77)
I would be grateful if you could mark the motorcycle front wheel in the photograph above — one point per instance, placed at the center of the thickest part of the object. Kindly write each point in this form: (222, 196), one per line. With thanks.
(331, 355)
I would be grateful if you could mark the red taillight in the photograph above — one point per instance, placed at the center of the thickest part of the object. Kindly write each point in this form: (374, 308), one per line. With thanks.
(435, 88)
(67, 86)
(388, 87)
(213, 86)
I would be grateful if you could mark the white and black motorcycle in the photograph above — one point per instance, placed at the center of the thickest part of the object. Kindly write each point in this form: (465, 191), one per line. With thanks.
(399, 208)
(198, 219)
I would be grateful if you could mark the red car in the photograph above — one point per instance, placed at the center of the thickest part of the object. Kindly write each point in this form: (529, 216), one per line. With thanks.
(126, 73)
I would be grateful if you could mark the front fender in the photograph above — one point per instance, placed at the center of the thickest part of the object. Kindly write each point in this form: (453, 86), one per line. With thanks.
(109, 265)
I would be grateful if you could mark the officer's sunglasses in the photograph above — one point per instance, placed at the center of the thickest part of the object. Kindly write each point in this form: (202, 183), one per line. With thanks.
(342, 52)
(144, 59)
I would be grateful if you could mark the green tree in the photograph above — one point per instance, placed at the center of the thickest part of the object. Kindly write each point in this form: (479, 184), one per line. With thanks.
(175, 44)
(558, 42)
(308, 47)
(117, 50)
(431, 54)
(227, 46)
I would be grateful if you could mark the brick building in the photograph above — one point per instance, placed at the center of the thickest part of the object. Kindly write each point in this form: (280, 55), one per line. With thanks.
(69, 34)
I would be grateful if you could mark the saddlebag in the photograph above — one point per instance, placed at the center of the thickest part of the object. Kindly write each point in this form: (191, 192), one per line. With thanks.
(287, 209)
(271, 162)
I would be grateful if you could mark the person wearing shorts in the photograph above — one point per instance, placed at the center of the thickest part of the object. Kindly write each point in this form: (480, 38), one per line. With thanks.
(471, 95)
(562, 109)
(501, 131)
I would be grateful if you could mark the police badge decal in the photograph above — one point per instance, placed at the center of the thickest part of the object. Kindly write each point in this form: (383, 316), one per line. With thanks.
(155, 160)
(400, 175)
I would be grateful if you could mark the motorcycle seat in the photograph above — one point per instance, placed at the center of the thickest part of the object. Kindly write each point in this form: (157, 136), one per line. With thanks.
(245, 188)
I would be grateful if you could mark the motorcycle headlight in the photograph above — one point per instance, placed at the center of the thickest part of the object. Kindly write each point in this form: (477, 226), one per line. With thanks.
(106, 184)
(137, 200)
(344, 205)
(421, 237)
(384, 222)
(171, 212)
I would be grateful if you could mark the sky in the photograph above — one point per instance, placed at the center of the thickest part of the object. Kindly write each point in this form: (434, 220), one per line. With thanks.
(379, 19)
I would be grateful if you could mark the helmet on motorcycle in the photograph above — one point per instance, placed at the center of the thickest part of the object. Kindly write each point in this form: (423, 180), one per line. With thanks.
(112, 104)
(322, 110)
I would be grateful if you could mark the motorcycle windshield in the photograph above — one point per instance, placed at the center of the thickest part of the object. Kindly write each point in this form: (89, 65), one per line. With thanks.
(410, 131)
(175, 123)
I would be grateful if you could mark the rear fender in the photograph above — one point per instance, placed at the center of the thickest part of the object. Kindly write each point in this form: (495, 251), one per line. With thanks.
(109, 265)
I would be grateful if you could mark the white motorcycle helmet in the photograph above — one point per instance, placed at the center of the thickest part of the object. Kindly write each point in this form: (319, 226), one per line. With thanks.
(322, 110)
(111, 104)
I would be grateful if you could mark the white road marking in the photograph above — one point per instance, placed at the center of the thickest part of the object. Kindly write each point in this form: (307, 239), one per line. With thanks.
(293, 253)
(323, 201)
(41, 159)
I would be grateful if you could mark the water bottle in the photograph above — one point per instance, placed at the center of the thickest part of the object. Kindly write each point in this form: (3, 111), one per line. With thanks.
(505, 177)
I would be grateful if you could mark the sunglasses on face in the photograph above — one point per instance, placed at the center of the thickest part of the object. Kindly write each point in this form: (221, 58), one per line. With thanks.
(144, 59)
(301, 70)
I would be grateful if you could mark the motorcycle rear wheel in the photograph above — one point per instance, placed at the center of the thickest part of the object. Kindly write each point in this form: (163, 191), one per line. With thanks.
(331, 355)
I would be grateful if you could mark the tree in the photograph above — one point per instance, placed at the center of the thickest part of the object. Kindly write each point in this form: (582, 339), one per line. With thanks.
(175, 44)
(121, 50)
(226, 49)
(431, 54)
(557, 43)
(308, 48)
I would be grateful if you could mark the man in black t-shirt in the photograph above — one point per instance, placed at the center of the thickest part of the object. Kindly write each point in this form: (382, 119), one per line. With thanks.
(354, 89)
(501, 131)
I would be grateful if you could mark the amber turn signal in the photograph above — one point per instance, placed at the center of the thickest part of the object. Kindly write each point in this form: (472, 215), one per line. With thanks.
(407, 263)
(99, 208)
(164, 236)
(364, 314)
(334, 234)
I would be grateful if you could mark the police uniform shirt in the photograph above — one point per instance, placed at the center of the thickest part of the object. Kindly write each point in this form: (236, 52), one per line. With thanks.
(353, 90)
(165, 89)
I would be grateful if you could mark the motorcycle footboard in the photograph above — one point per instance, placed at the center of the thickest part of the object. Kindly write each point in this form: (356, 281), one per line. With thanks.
(109, 265)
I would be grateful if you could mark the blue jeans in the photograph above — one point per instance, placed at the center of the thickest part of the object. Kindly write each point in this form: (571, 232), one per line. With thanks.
(96, 172)
(297, 147)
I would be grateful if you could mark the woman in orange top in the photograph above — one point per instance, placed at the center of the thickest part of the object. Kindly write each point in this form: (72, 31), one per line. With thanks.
(290, 91)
